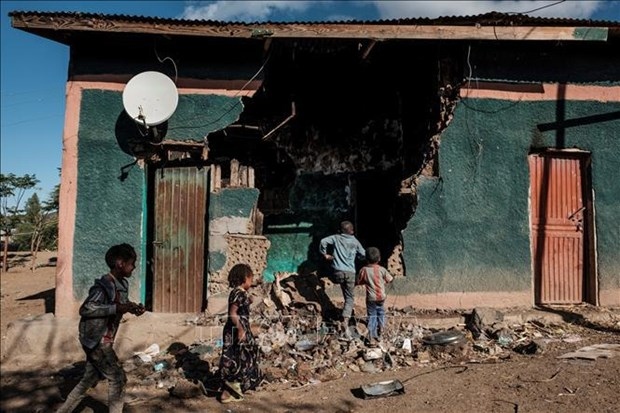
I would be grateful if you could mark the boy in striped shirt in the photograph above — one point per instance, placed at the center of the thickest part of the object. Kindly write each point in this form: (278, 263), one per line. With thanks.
(374, 277)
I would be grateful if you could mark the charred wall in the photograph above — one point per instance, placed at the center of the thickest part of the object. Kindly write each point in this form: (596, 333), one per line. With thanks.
(365, 125)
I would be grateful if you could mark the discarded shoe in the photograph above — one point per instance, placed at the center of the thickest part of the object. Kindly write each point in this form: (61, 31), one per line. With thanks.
(230, 399)
(234, 388)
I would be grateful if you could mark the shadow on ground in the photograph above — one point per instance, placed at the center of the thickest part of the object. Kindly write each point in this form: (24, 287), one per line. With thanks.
(48, 296)
(574, 317)
(42, 390)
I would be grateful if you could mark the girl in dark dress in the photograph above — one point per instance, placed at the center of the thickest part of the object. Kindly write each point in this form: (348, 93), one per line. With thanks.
(240, 353)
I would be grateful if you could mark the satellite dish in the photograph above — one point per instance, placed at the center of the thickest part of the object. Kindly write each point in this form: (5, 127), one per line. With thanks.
(150, 98)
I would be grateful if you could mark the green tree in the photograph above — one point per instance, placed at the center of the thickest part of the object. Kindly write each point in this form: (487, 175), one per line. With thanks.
(52, 202)
(28, 222)
(12, 191)
(38, 227)
(50, 232)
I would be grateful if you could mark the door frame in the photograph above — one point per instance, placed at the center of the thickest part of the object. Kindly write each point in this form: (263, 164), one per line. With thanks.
(590, 274)
(151, 171)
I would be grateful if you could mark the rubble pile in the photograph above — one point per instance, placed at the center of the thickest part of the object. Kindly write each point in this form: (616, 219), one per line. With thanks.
(300, 345)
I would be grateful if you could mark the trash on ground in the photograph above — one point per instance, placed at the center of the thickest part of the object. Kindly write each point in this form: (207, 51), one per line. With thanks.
(593, 352)
(383, 389)
(147, 355)
(443, 338)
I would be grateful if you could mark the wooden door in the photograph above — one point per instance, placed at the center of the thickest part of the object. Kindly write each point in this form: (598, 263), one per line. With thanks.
(558, 211)
(180, 217)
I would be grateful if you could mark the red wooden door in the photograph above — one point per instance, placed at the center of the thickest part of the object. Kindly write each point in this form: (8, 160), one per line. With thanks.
(558, 211)
(179, 239)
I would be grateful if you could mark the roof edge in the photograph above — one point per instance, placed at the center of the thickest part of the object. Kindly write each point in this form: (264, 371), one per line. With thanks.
(57, 25)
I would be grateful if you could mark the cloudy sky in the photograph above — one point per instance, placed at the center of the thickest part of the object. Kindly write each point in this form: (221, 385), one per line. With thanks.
(342, 10)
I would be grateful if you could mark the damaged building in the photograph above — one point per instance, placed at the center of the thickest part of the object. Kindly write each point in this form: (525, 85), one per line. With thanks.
(478, 153)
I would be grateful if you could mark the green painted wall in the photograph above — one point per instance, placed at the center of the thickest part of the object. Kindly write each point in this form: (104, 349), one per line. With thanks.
(290, 248)
(232, 202)
(109, 210)
(198, 115)
(470, 231)
(110, 203)
(317, 204)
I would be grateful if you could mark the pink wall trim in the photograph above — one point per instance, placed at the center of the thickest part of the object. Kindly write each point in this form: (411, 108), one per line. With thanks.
(65, 301)
(609, 298)
(545, 91)
(184, 86)
(456, 300)
(492, 299)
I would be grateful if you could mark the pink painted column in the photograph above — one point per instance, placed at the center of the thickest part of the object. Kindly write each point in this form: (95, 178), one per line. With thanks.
(66, 305)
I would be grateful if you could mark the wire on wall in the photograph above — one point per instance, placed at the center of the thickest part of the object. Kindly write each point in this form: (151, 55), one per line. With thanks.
(238, 102)
(176, 73)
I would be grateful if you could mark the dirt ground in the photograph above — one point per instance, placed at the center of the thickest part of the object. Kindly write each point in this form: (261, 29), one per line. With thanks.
(505, 382)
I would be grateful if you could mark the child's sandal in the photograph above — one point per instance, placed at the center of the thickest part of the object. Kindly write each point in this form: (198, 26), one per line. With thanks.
(234, 388)
(230, 399)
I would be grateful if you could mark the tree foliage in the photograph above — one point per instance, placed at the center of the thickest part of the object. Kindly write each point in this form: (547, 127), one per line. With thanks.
(38, 228)
(12, 190)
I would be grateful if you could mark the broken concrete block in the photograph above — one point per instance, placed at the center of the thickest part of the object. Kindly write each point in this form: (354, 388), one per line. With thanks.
(482, 317)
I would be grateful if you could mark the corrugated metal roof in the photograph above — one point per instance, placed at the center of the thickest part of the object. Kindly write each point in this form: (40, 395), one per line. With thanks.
(72, 27)
(487, 19)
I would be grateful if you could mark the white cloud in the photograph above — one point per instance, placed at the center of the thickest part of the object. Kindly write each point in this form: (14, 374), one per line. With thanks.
(432, 9)
(248, 11)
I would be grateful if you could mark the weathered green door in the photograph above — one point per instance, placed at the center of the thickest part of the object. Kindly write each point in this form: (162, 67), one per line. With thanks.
(179, 239)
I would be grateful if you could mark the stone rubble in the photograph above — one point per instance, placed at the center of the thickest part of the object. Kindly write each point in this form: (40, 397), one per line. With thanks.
(300, 347)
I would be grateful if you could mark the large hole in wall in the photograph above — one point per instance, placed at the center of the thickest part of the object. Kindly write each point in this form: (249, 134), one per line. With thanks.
(365, 128)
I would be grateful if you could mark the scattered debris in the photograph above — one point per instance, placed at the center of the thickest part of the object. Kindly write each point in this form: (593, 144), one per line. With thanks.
(302, 343)
(527, 348)
(481, 317)
(444, 338)
(593, 352)
(147, 355)
(383, 389)
(407, 345)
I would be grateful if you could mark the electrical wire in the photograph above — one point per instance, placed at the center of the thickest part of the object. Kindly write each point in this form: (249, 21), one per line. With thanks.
(176, 73)
(470, 70)
(238, 102)
(226, 111)
(539, 8)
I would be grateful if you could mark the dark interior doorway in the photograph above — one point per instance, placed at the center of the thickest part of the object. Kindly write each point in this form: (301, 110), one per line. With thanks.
(378, 218)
